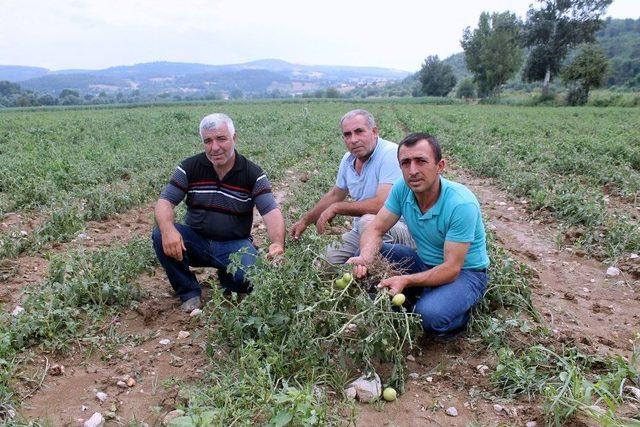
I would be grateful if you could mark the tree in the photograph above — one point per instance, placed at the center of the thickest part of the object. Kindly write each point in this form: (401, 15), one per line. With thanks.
(466, 89)
(492, 51)
(553, 29)
(436, 77)
(586, 71)
(332, 92)
(7, 88)
(69, 92)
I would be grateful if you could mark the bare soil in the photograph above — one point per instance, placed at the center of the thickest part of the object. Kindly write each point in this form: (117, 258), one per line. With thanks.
(578, 301)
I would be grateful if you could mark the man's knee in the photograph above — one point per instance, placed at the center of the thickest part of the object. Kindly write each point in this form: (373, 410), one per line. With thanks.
(365, 221)
(335, 256)
(435, 318)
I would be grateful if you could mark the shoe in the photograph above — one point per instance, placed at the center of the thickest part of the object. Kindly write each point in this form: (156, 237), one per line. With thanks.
(191, 304)
(445, 337)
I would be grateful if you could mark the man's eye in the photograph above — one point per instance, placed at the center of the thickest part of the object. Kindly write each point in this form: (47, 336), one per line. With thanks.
(346, 134)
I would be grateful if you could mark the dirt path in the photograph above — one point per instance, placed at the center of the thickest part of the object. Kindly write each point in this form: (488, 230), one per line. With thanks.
(578, 301)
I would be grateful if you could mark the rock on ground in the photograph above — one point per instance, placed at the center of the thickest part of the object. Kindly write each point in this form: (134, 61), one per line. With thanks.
(367, 388)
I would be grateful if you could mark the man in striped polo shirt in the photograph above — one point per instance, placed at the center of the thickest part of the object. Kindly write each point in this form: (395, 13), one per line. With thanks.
(221, 188)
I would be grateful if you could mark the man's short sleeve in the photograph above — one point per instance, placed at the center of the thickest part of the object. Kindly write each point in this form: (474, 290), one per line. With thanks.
(341, 178)
(262, 195)
(389, 168)
(177, 187)
(394, 200)
(463, 221)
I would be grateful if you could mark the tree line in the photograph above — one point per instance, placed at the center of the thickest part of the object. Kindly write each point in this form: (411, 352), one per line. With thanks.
(498, 47)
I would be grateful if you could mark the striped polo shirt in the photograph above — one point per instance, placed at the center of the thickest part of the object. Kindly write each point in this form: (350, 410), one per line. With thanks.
(220, 209)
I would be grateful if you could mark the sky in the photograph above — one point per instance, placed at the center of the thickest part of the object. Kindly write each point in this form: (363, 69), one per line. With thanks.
(88, 34)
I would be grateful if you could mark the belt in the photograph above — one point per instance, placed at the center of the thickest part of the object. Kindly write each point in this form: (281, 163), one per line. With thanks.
(477, 270)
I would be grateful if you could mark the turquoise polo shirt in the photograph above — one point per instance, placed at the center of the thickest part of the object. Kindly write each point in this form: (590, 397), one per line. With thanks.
(455, 217)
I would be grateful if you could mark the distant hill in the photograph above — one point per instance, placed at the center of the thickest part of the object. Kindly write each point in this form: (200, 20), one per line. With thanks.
(189, 78)
(620, 39)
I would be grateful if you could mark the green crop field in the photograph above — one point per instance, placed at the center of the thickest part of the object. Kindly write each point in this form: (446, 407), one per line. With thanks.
(284, 360)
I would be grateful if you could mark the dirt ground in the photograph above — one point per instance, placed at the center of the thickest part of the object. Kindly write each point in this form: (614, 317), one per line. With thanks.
(578, 301)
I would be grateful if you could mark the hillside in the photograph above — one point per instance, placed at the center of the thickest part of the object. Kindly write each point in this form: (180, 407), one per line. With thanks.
(172, 77)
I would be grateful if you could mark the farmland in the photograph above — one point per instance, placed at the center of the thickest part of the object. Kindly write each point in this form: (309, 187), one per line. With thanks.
(560, 192)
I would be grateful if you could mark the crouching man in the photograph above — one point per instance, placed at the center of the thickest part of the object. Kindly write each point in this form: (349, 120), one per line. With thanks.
(221, 188)
(447, 275)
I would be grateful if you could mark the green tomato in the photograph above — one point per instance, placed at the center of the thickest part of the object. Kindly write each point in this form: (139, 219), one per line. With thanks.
(340, 283)
(389, 394)
(347, 277)
(398, 299)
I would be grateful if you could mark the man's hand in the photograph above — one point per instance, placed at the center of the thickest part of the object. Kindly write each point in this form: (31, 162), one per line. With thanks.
(298, 228)
(395, 284)
(325, 218)
(359, 266)
(172, 243)
(275, 252)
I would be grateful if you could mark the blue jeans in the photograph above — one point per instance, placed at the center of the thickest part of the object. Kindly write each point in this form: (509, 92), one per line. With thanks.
(203, 252)
(442, 308)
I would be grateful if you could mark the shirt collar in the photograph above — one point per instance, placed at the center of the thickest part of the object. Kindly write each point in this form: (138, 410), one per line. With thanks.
(238, 163)
(377, 148)
(437, 207)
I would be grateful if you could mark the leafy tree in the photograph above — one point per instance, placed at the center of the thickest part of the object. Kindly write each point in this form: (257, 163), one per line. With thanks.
(68, 92)
(437, 78)
(236, 94)
(7, 88)
(553, 29)
(466, 89)
(492, 51)
(586, 71)
(332, 92)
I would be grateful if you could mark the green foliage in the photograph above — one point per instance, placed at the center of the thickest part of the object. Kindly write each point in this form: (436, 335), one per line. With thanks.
(466, 89)
(492, 50)
(437, 78)
(554, 28)
(587, 70)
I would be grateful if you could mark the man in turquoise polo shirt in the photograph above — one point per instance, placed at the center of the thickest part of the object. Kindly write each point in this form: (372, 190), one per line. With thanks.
(447, 275)
(366, 174)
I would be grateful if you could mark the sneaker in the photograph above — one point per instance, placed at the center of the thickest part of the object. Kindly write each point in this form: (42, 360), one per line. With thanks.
(191, 304)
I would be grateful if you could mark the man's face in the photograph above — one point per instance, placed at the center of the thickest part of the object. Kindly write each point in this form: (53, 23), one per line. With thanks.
(419, 168)
(359, 138)
(219, 145)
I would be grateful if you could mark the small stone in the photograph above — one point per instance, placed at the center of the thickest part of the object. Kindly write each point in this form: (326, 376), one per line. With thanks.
(429, 379)
(183, 334)
(101, 396)
(84, 408)
(23, 232)
(11, 413)
(452, 411)
(17, 311)
(171, 415)
(110, 415)
(482, 369)
(96, 420)
(350, 393)
(531, 424)
(131, 382)
(414, 375)
(498, 408)
(586, 290)
(83, 236)
(195, 312)
(634, 256)
(367, 388)
(122, 384)
(613, 271)
(510, 208)
(165, 341)
(410, 358)
(56, 370)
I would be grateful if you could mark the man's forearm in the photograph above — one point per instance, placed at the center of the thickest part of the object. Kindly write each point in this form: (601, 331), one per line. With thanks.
(327, 200)
(370, 243)
(438, 275)
(164, 214)
(275, 226)
(363, 207)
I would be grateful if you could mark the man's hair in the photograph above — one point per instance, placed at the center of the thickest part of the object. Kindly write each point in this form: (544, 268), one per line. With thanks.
(371, 122)
(213, 121)
(413, 138)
